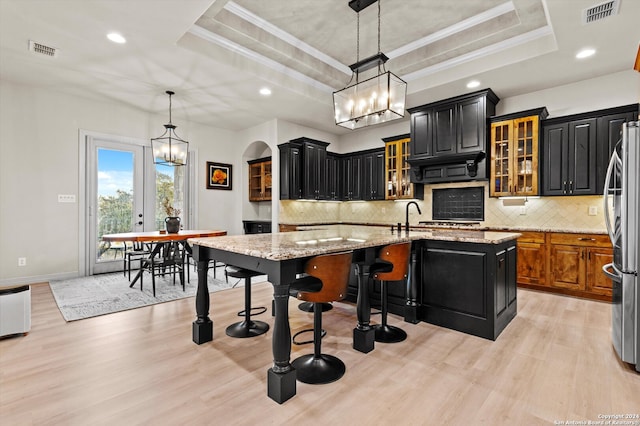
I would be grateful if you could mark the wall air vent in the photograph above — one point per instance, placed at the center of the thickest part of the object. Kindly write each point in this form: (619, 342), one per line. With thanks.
(42, 49)
(600, 11)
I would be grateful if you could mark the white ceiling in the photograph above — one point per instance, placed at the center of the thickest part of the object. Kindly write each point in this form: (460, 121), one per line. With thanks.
(216, 55)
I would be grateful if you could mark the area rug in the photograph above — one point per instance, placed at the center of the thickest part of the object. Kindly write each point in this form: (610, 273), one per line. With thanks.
(87, 297)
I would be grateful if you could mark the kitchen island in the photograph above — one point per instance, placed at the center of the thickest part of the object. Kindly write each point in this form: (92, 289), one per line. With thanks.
(484, 296)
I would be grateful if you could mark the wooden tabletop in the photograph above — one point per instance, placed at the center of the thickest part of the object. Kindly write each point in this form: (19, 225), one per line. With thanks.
(162, 236)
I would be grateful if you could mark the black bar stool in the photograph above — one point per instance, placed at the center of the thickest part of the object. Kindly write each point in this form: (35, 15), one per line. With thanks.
(392, 265)
(308, 306)
(326, 280)
(246, 328)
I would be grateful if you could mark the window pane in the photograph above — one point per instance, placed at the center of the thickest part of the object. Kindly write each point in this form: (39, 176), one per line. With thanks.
(115, 200)
(170, 184)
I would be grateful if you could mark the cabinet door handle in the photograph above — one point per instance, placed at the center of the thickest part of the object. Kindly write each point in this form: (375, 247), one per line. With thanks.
(564, 187)
(570, 187)
(586, 239)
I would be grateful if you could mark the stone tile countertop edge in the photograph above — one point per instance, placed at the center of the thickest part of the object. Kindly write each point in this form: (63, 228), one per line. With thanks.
(453, 226)
(335, 238)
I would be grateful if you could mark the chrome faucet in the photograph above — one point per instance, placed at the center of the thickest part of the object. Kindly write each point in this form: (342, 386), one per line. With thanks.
(406, 224)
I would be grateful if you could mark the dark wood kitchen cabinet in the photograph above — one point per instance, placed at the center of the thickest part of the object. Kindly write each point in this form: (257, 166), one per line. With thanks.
(314, 181)
(303, 169)
(373, 175)
(334, 169)
(469, 287)
(290, 171)
(256, 226)
(351, 180)
(452, 126)
(449, 138)
(569, 158)
(421, 125)
(576, 149)
(609, 133)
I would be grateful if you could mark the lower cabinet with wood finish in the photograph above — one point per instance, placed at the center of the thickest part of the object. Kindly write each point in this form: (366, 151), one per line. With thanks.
(532, 254)
(565, 263)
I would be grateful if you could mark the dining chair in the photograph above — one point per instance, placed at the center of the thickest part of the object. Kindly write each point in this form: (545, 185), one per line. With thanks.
(170, 260)
(136, 253)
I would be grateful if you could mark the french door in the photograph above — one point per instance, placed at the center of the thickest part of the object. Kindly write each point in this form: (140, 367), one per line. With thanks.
(126, 192)
(115, 189)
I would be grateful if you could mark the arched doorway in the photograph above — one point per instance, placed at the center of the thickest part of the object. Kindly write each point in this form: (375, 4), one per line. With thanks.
(258, 209)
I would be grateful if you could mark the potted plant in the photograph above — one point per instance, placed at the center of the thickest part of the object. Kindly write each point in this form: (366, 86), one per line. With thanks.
(172, 221)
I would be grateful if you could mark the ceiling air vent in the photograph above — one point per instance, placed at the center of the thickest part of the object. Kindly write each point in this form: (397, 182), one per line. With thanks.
(600, 11)
(42, 49)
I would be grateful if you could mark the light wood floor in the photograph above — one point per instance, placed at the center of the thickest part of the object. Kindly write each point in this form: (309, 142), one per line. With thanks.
(554, 362)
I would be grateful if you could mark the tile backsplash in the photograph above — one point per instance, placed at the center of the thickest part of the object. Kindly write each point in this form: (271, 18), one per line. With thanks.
(571, 213)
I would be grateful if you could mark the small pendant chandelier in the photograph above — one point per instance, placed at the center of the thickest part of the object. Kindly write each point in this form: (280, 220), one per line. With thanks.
(375, 100)
(169, 149)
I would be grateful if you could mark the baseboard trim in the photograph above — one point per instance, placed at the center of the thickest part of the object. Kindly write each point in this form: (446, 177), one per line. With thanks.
(36, 279)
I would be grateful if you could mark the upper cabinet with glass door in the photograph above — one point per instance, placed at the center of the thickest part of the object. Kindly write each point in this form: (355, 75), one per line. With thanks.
(396, 170)
(260, 179)
(514, 153)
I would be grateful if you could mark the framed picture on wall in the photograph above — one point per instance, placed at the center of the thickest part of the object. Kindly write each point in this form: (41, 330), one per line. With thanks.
(218, 175)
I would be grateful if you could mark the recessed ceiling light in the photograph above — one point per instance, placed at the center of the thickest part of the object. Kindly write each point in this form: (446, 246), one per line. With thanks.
(585, 53)
(265, 91)
(116, 38)
(473, 83)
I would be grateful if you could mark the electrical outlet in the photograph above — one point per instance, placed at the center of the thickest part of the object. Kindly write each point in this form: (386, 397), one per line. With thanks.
(22, 261)
(523, 210)
(593, 211)
(384, 210)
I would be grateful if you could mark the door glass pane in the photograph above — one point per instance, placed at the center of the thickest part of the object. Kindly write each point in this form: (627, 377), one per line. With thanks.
(170, 191)
(115, 200)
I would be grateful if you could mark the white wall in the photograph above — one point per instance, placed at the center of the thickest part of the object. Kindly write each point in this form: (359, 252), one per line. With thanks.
(39, 159)
(622, 88)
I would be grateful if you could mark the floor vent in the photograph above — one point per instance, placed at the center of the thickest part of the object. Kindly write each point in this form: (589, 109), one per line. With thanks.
(600, 11)
(42, 49)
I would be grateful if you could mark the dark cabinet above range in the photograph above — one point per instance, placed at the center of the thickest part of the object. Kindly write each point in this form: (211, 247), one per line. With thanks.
(449, 138)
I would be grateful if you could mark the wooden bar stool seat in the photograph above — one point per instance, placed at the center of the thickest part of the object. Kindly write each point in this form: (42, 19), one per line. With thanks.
(392, 265)
(247, 327)
(326, 280)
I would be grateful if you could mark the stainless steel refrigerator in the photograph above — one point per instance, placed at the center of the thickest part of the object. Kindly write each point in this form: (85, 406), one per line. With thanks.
(622, 210)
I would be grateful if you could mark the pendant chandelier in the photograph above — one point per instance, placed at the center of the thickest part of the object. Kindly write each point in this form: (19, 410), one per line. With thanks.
(169, 149)
(374, 100)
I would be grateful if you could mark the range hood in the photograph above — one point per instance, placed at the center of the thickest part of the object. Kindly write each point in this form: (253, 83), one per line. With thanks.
(451, 167)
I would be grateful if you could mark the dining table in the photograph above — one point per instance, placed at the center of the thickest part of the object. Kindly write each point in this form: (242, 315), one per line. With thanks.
(281, 256)
(156, 237)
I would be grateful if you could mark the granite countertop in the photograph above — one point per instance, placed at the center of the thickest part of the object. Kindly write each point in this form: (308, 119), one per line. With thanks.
(336, 238)
(312, 225)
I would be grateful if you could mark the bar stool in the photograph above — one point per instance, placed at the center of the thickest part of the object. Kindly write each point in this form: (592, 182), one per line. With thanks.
(325, 281)
(392, 265)
(246, 328)
(308, 306)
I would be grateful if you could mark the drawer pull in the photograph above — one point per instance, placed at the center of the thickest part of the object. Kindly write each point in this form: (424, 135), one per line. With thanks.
(586, 239)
